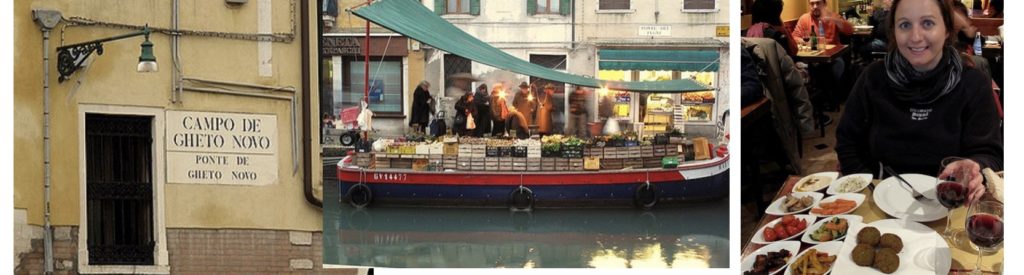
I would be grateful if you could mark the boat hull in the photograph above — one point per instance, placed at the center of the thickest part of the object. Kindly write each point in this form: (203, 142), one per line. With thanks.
(701, 181)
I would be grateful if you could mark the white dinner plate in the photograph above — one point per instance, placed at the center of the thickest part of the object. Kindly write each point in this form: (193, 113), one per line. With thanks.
(924, 250)
(759, 235)
(834, 187)
(895, 199)
(776, 208)
(828, 176)
(792, 246)
(850, 220)
(832, 248)
(855, 197)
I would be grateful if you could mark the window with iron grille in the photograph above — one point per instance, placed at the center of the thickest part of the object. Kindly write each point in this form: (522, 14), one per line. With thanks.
(454, 64)
(119, 189)
(613, 4)
(698, 5)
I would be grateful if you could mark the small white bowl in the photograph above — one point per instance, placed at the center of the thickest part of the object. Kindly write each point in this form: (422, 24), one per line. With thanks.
(759, 235)
(834, 187)
(855, 197)
(850, 221)
(776, 208)
(832, 248)
(830, 176)
(792, 246)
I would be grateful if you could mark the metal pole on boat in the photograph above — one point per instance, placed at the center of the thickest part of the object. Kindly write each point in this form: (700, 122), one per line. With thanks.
(366, 63)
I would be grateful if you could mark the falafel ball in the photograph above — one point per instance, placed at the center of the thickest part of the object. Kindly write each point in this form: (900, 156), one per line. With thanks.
(886, 260)
(891, 241)
(863, 255)
(869, 236)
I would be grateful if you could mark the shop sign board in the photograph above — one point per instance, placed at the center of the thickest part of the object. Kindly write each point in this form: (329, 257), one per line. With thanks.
(221, 148)
(655, 30)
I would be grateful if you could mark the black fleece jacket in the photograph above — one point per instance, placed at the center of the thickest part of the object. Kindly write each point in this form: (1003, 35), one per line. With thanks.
(912, 138)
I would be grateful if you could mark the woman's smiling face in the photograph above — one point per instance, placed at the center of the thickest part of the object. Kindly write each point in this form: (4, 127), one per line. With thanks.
(920, 32)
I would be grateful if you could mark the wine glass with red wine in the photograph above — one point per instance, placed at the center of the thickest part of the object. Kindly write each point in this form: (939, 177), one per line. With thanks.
(951, 191)
(985, 228)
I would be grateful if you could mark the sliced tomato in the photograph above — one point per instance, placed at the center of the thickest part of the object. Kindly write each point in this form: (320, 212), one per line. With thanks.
(769, 235)
(792, 230)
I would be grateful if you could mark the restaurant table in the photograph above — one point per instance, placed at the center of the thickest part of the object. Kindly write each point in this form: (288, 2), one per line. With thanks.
(754, 119)
(963, 255)
(830, 53)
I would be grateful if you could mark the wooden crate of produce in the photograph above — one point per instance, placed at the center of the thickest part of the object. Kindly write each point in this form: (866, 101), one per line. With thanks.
(420, 164)
(633, 162)
(610, 153)
(647, 151)
(593, 152)
(659, 150)
(451, 149)
(611, 164)
(652, 162)
(401, 163)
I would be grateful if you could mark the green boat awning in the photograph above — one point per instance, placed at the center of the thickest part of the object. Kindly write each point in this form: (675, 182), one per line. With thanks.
(675, 60)
(412, 19)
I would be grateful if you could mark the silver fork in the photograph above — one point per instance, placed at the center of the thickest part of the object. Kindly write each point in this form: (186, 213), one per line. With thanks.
(917, 195)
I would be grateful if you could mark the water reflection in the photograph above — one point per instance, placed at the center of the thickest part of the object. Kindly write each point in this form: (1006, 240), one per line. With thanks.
(687, 236)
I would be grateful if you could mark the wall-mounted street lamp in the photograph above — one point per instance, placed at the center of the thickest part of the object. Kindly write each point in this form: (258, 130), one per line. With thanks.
(71, 57)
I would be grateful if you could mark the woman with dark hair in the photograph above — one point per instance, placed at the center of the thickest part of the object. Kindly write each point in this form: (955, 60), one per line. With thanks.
(921, 104)
(766, 23)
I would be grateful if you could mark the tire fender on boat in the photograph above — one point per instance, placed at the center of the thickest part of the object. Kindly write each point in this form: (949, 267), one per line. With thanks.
(521, 199)
(359, 195)
(646, 196)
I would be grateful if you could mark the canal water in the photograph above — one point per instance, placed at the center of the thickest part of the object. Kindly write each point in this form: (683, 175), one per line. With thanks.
(692, 235)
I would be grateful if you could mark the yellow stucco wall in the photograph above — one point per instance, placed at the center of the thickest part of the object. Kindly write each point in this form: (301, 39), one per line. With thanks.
(111, 79)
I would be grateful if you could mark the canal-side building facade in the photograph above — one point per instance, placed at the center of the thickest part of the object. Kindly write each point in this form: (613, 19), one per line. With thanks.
(198, 167)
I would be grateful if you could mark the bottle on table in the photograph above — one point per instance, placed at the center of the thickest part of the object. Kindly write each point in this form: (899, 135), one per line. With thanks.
(814, 40)
(977, 44)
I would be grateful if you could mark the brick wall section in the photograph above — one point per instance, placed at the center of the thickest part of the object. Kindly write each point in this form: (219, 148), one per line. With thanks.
(206, 251)
(65, 254)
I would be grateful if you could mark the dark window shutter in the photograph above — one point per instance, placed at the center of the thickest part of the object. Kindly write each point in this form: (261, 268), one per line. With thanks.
(699, 4)
(439, 6)
(613, 4)
(474, 7)
(565, 7)
(531, 7)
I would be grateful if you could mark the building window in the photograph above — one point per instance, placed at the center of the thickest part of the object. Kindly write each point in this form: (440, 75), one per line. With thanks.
(457, 6)
(119, 189)
(548, 6)
(385, 93)
(613, 4)
(698, 5)
(454, 64)
(121, 216)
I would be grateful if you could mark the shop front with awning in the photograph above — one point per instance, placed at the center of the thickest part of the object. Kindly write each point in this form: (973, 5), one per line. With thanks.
(659, 112)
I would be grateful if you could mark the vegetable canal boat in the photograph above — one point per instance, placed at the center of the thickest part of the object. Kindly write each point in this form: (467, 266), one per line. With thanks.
(525, 190)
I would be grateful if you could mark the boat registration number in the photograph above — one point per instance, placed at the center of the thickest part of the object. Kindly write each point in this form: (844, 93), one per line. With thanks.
(391, 176)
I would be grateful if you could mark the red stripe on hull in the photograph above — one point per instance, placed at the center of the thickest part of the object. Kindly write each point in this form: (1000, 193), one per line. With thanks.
(395, 176)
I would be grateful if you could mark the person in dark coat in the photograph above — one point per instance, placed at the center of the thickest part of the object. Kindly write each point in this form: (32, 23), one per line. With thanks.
(421, 102)
(577, 125)
(464, 108)
(483, 110)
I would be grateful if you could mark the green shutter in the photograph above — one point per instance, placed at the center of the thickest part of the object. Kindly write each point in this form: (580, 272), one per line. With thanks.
(531, 7)
(474, 7)
(439, 7)
(565, 7)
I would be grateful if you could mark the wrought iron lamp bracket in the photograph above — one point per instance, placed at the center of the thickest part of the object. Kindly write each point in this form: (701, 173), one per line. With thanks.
(71, 57)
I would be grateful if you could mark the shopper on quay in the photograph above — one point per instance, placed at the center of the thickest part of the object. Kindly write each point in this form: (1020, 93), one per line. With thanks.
(464, 109)
(421, 107)
(499, 110)
(545, 106)
(483, 110)
(577, 124)
(526, 105)
(921, 104)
